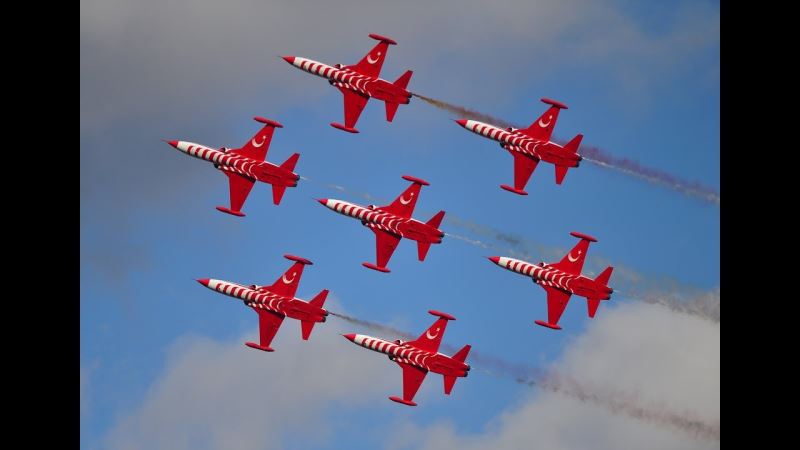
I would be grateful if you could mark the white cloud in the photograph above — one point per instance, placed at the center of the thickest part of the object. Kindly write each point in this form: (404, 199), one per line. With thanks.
(215, 395)
(186, 57)
(664, 361)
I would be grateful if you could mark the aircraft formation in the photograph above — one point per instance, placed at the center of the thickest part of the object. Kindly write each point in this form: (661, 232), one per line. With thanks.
(390, 223)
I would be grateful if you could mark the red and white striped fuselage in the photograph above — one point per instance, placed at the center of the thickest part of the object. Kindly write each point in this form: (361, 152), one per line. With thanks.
(381, 220)
(231, 162)
(260, 298)
(518, 142)
(402, 352)
(346, 78)
(546, 275)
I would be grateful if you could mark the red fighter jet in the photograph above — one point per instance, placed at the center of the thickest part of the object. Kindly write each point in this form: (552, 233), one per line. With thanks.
(393, 222)
(361, 81)
(244, 166)
(530, 145)
(273, 303)
(418, 357)
(563, 279)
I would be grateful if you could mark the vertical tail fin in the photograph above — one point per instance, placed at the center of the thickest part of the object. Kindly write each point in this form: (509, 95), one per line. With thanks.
(308, 325)
(391, 107)
(594, 303)
(402, 82)
(572, 146)
(436, 220)
(319, 300)
(450, 381)
(423, 247)
(461, 355)
(277, 191)
(290, 162)
(604, 276)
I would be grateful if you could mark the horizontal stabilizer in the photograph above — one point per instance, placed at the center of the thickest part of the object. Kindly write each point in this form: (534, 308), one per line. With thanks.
(449, 382)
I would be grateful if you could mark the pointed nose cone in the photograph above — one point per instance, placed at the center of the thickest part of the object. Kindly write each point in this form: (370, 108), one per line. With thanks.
(289, 59)
(172, 143)
(495, 259)
(323, 201)
(203, 281)
(462, 122)
(350, 337)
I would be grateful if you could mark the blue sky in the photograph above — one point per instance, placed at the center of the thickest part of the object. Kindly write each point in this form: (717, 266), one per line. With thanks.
(641, 82)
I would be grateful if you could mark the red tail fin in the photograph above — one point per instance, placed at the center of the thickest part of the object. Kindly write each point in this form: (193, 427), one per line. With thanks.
(402, 82)
(319, 300)
(573, 145)
(436, 220)
(561, 172)
(423, 247)
(307, 326)
(277, 194)
(290, 162)
(594, 303)
(461, 355)
(422, 250)
(391, 109)
(277, 191)
(450, 381)
(604, 276)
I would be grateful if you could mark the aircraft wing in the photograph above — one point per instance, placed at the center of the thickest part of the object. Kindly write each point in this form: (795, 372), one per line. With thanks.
(287, 284)
(370, 65)
(556, 303)
(404, 204)
(354, 103)
(413, 377)
(543, 127)
(573, 261)
(268, 325)
(257, 147)
(432, 337)
(240, 187)
(523, 169)
(385, 245)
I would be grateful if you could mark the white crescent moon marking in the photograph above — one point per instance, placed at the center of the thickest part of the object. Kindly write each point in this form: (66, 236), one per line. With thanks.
(428, 334)
(571, 259)
(545, 125)
(404, 201)
(258, 145)
(289, 281)
(371, 61)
